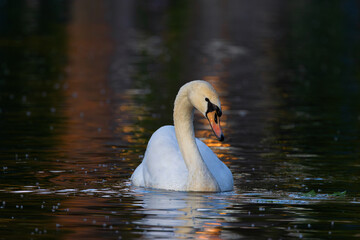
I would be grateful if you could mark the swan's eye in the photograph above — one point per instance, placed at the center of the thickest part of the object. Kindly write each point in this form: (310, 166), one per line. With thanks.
(213, 107)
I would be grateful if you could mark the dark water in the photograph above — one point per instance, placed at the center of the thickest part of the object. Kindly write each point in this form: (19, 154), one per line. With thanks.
(84, 84)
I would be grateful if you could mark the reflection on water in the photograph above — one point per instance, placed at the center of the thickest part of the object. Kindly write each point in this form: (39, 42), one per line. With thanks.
(183, 214)
(84, 84)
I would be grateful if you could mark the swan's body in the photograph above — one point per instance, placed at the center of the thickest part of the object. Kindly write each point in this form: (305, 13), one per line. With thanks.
(175, 159)
(163, 166)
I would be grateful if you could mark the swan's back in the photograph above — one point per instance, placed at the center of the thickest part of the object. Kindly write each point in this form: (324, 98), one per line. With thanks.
(163, 166)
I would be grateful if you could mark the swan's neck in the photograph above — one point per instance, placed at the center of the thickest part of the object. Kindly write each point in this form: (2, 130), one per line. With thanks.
(199, 178)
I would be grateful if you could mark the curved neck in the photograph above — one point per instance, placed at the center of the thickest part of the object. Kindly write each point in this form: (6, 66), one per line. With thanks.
(199, 178)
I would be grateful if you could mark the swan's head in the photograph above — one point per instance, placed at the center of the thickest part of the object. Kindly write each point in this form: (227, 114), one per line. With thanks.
(205, 99)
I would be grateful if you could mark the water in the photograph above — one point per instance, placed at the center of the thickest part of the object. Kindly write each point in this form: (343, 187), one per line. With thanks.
(84, 84)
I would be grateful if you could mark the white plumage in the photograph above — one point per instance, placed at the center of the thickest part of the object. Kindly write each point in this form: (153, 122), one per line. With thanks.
(175, 159)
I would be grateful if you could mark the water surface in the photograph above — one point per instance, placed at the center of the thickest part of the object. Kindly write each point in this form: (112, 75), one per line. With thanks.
(84, 84)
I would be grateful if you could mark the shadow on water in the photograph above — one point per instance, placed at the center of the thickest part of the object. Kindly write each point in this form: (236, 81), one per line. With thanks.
(319, 127)
(84, 84)
(32, 68)
(32, 53)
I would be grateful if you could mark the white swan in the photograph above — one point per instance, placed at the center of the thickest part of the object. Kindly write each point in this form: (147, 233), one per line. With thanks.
(175, 159)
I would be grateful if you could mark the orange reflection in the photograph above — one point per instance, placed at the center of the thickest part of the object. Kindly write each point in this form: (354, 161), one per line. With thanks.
(87, 111)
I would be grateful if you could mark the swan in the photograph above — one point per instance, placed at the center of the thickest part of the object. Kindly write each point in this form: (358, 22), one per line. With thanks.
(174, 159)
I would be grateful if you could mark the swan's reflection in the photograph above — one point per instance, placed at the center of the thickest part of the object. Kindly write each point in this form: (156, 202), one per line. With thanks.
(183, 213)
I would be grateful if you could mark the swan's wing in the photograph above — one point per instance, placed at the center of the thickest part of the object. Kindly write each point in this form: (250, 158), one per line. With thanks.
(218, 169)
(163, 166)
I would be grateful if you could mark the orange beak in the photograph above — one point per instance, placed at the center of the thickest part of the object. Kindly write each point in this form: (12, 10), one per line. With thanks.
(214, 121)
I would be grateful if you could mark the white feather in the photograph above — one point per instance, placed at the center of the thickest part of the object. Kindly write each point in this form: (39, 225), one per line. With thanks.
(164, 166)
